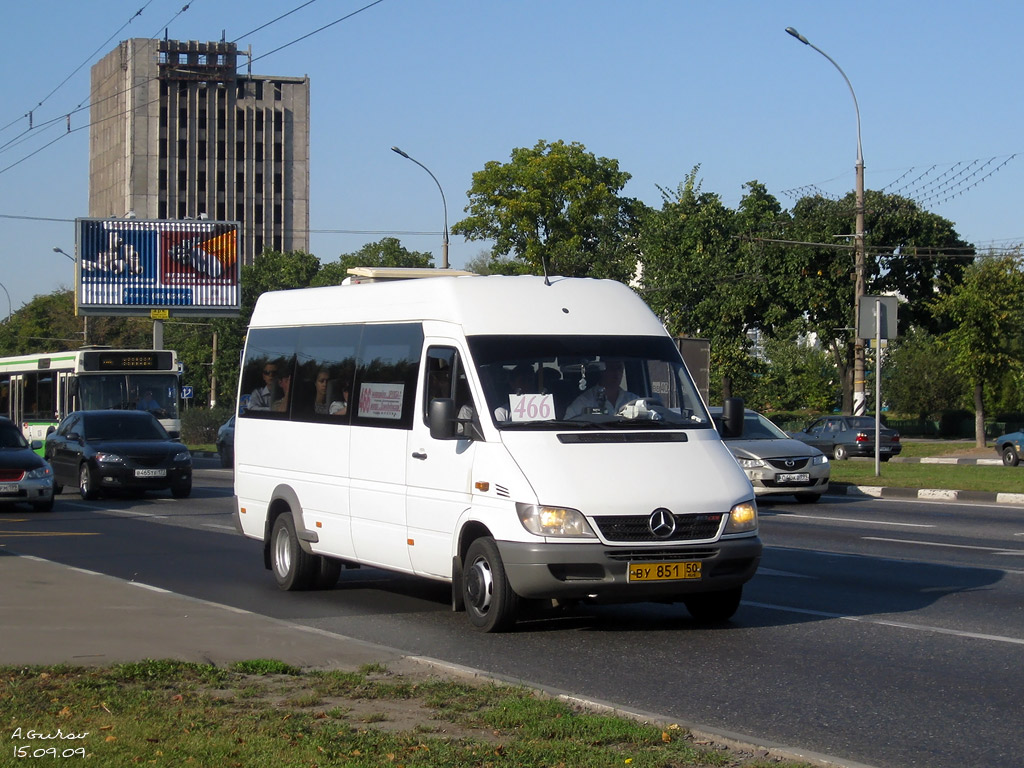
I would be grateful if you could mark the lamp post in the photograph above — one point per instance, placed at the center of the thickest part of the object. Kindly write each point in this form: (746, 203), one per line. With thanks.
(10, 307)
(444, 243)
(859, 400)
(85, 319)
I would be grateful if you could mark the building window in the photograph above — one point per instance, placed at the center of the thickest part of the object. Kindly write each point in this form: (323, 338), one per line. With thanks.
(240, 181)
(240, 150)
(257, 214)
(277, 213)
(182, 180)
(259, 151)
(278, 184)
(278, 121)
(163, 147)
(201, 181)
(259, 90)
(182, 117)
(221, 182)
(240, 120)
(201, 149)
(163, 179)
(161, 209)
(182, 209)
(182, 149)
(240, 211)
(277, 91)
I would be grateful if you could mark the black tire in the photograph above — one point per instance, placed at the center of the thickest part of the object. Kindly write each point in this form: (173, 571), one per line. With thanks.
(43, 506)
(807, 498)
(327, 572)
(87, 483)
(839, 452)
(490, 602)
(294, 569)
(182, 490)
(1010, 457)
(714, 607)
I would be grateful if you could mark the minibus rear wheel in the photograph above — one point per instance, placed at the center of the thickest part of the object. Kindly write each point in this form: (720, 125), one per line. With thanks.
(294, 569)
(490, 601)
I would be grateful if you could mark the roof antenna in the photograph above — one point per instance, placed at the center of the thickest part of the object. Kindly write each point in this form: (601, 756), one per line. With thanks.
(544, 263)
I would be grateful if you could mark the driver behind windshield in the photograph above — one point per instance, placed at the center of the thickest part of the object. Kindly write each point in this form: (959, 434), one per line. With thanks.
(607, 396)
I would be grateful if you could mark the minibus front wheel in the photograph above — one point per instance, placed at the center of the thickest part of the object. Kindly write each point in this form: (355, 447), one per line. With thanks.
(490, 601)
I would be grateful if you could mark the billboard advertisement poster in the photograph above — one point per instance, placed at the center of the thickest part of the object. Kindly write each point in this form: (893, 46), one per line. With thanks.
(135, 266)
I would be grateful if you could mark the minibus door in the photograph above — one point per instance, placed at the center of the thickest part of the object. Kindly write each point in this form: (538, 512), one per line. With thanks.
(439, 472)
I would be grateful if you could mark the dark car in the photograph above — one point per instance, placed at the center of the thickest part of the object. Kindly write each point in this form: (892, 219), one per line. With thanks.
(117, 450)
(775, 463)
(844, 436)
(25, 476)
(1009, 447)
(226, 442)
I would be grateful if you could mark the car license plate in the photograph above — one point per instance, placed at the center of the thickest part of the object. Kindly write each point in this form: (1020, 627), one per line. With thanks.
(665, 571)
(151, 473)
(9, 488)
(793, 477)
(885, 448)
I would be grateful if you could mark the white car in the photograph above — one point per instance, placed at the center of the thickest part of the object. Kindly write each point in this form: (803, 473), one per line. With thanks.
(775, 463)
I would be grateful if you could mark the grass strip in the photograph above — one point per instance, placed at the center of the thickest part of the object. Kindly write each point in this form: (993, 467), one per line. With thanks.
(264, 714)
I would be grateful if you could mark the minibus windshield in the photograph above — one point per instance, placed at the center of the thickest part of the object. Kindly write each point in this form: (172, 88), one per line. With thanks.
(586, 382)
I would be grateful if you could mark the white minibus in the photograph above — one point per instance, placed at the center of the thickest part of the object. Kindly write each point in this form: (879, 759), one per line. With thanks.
(524, 439)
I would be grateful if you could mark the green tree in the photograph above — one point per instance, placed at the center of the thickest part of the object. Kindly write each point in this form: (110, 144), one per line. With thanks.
(795, 376)
(986, 312)
(556, 204)
(920, 378)
(702, 280)
(388, 252)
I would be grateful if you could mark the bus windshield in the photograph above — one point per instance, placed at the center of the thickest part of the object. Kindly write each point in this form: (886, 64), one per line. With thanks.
(586, 382)
(153, 392)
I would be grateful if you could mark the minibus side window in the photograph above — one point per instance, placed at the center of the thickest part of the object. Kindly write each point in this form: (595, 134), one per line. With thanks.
(325, 373)
(268, 373)
(387, 368)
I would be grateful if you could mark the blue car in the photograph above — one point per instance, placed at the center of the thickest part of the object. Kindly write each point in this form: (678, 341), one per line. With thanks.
(1009, 447)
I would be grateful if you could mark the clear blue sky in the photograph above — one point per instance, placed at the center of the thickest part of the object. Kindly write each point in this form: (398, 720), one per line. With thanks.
(659, 85)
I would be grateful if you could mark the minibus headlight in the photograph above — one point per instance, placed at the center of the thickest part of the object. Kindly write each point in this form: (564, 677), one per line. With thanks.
(554, 521)
(742, 518)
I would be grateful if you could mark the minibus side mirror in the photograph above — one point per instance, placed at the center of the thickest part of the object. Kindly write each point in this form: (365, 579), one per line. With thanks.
(732, 417)
(441, 417)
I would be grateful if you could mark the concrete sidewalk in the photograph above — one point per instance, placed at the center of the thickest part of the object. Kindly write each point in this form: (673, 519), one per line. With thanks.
(57, 614)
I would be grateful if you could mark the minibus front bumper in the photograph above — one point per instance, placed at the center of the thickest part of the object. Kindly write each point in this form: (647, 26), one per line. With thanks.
(624, 574)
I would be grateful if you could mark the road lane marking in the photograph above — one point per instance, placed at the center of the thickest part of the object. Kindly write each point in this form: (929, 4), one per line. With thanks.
(762, 571)
(849, 520)
(220, 527)
(41, 534)
(889, 623)
(993, 550)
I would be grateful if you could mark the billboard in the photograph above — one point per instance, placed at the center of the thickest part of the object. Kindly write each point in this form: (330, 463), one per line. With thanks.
(157, 268)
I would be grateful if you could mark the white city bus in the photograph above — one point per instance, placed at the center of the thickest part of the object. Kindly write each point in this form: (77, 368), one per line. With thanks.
(520, 438)
(37, 391)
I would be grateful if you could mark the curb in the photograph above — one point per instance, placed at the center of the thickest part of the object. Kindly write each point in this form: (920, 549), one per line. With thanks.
(925, 494)
(948, 460)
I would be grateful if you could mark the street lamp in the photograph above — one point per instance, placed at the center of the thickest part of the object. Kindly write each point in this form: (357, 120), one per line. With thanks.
(859, 400)
(10, 307)
(85, 319)
(444, 244)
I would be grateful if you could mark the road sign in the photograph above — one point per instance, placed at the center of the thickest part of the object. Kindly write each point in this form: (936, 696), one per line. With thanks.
(187, 393)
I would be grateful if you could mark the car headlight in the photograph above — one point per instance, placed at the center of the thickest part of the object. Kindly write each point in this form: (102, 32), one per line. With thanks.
(183, 457)
(742, 518)
(39, 473)
(823, 459)
(109, 458)
(750, 463)
(554, 521)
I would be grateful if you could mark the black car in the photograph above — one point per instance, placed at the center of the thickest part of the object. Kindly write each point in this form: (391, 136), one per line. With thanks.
(226, 442)
(24, 475)
(117, 450)
(844, 436)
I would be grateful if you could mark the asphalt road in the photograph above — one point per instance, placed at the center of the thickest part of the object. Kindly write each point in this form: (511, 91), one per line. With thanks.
(886, 632)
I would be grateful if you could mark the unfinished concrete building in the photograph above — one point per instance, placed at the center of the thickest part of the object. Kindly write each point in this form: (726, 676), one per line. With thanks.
(177, 132)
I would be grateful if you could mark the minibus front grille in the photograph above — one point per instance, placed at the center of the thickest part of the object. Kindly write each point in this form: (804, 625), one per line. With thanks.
(660, 555)
(638, 527)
